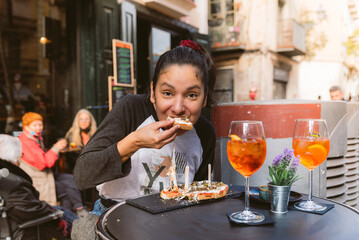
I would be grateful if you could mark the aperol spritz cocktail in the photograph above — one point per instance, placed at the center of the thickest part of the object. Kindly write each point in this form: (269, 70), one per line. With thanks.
(246, 156)
(312, 152)
(311, 143)
(246, 150)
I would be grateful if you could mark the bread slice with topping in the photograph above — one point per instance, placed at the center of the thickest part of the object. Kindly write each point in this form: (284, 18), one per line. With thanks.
(183, 122)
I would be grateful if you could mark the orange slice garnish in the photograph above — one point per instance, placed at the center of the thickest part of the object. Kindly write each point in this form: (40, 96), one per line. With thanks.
(318, 151)
(234, 137)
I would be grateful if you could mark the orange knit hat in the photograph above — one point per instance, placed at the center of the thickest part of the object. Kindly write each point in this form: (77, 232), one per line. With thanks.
(30, 117)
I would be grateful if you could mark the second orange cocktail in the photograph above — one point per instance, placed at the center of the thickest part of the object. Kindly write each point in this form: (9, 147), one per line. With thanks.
(312, 152)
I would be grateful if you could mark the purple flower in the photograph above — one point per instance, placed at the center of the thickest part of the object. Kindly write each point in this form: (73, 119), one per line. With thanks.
(295, 162)
(277, 160)
(286, 151)
(283, 169)
(288, 154)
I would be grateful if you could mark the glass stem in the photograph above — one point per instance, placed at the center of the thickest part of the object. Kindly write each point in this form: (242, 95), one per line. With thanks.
(310, 185)
(246, 201)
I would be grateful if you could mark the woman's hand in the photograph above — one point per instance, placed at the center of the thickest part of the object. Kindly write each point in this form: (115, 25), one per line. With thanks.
(62, 143)
(149, 136)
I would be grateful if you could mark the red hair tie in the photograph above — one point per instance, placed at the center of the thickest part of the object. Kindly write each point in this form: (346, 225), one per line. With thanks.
(190, 44)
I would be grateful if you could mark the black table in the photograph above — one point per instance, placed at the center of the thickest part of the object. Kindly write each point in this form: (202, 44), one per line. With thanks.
(209, 221)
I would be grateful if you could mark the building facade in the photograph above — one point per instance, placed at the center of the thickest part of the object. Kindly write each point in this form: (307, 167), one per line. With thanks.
(254, 44)
(285, 49)
(330, 27)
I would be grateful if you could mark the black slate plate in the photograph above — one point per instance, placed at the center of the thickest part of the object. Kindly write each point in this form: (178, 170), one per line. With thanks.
(254, 194)
(155, 204)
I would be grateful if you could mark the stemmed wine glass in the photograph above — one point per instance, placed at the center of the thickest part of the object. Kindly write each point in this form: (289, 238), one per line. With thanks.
(311, 143)
(246, 150)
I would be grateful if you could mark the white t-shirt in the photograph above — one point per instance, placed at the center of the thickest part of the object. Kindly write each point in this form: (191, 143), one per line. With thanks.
(149, 167)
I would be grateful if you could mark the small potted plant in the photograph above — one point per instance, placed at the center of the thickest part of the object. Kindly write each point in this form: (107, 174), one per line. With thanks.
(282, 174)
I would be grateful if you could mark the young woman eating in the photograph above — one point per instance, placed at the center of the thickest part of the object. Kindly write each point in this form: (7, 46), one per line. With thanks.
(131, 152)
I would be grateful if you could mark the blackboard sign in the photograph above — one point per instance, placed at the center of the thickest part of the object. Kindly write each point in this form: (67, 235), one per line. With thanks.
(116, 92)
(122, 63)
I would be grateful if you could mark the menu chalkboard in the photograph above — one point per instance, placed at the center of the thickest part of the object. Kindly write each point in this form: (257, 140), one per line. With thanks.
(122, 63)
(116, 92)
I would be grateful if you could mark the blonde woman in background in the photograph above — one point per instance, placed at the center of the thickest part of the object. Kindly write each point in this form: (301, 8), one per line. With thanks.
(83, 127)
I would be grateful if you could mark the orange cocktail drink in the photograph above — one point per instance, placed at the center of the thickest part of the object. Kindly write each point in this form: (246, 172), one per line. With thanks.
(246, 156)
(246, 151)
(312, 152)
(311, 142)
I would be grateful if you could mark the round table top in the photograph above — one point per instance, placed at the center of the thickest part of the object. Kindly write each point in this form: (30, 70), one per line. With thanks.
(209, 221)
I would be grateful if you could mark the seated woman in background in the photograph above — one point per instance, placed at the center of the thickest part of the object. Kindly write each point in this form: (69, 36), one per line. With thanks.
(37, 163)
(83, 127)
